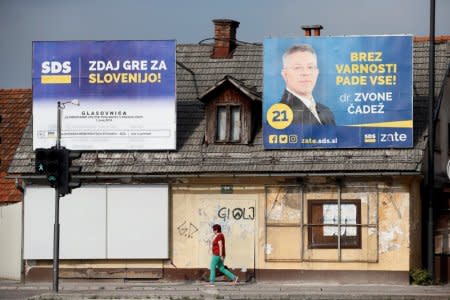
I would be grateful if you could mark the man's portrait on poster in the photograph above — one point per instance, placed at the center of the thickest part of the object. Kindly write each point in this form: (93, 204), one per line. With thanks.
(300, 73)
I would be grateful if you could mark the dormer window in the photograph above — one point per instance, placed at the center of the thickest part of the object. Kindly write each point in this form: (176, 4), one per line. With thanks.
(232, 112)
(228, 127)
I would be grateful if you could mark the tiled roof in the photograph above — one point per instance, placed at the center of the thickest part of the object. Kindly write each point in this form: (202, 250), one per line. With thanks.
(15, 112)
(252, 94)
(197, 73)
(421, 59)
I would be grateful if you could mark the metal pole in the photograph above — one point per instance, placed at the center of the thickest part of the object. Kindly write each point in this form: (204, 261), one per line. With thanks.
(58, 126)
(339, 221)
(430, 212)
(56, 225)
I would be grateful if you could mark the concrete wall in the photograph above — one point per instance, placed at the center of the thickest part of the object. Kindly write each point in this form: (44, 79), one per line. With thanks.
(11, 241)
(196, 209)
(392, 207)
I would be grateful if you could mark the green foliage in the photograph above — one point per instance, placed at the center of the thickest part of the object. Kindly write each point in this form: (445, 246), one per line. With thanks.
(420, 277)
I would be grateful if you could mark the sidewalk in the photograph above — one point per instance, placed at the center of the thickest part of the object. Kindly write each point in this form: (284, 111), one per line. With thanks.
(98, 289)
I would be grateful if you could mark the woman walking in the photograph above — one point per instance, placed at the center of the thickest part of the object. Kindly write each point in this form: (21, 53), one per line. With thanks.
(218, 256)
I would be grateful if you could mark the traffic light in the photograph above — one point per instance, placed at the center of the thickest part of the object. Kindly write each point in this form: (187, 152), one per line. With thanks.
(41, 161)
(66, 170)
(57, 166)
(53, 166)
(47, 163)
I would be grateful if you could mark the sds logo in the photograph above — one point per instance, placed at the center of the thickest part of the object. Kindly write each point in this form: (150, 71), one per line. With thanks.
(55, 72)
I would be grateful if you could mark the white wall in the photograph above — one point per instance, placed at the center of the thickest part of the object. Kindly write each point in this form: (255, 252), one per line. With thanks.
(10, 241)
(138, 221)
(99, 222)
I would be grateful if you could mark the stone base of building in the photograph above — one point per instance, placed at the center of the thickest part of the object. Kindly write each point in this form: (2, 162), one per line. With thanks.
(202, 274)
(337, 277)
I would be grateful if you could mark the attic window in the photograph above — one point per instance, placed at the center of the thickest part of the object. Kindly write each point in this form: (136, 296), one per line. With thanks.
(228, 127)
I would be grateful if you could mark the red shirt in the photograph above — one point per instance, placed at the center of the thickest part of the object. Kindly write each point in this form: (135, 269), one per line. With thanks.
(215, 244)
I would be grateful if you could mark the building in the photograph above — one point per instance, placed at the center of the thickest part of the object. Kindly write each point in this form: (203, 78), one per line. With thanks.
(148, 214)
(15, 113)
(441, 166)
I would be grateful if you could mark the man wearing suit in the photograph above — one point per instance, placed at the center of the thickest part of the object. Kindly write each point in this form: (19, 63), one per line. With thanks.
(300, 73)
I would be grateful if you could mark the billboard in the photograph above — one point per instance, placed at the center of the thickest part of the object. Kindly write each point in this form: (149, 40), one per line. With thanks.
(338, 92)
(125, 91)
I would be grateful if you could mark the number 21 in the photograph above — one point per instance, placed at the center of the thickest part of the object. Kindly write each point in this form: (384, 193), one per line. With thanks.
(279, 116)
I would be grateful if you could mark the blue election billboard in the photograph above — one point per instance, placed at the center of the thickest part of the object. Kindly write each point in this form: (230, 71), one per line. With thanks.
(124, 91)
(338, 92)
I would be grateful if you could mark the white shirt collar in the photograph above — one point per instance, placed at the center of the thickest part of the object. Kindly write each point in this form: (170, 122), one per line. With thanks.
(309, 103)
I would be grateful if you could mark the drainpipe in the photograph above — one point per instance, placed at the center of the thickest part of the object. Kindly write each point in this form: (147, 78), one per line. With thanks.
(430, 212)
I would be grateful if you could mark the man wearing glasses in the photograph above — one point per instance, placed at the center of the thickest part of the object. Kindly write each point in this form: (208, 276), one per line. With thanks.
(300, 73)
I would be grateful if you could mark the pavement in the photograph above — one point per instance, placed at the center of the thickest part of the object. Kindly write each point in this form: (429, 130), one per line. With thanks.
(162, 290)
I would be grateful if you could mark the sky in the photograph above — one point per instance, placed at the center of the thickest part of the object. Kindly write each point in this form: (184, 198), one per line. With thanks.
(190, 21)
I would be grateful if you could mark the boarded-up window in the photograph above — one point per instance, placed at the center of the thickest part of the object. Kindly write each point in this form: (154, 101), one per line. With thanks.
(283, 223)
(322, 223)
(333, 225)
(99, 222)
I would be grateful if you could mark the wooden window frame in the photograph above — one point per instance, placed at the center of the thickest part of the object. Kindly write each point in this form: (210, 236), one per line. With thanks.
(331, 242)
(228, 127)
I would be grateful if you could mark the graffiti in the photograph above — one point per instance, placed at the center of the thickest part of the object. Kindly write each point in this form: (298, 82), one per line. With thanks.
(187, 230)
(237, 213)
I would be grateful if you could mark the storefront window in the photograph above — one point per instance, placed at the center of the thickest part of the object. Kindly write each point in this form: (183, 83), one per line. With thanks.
(322, 223)
(331, 227)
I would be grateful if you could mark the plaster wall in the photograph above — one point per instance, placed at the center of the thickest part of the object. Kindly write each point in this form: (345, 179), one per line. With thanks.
(390, 208)
(196, 209)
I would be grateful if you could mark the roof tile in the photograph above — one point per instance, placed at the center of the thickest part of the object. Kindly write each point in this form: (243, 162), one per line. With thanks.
(15, 112)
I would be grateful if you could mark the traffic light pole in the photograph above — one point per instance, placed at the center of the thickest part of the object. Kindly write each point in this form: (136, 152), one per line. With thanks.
(56, 225)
